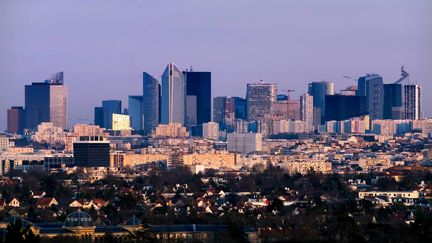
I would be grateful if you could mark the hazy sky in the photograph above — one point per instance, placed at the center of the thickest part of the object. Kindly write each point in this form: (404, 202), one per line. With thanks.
(104, 45)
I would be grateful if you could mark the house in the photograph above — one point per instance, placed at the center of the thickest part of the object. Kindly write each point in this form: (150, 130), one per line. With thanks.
(88, 204)
(46, 202)
(38, 194)
(14, 203)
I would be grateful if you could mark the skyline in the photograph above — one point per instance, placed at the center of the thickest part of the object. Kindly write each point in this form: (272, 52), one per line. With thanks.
(114, 66)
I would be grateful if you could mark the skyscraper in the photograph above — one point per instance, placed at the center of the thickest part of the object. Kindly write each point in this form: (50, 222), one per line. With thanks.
(198, 97)
(151, 104)
(412, 102)
(343, 107)
(98, 116)
(306, 111)
(372, 87)
(227, 109)
(46, 102)
(15, 119)
(260, 97)
(393, 101)
(135, 109)
(110, 107)
(173, 96)
(319, 90)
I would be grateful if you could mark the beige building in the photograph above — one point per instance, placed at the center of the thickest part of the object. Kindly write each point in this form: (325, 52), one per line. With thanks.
(390, 194)
(171, 130)
(303, 166)
(211, 160)
(122, 159)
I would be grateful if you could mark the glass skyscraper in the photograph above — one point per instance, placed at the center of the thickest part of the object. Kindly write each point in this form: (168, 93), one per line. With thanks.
(198, 95)
(372, 87)
(150, 103)
(319, 90)
(173, 96)
(393, 101)
(110, 107)
(46, 102)
(135, 109)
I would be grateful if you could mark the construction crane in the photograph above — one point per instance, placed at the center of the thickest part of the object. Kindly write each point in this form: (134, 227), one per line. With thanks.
(288, 91)
(404, 75)
(349, 78)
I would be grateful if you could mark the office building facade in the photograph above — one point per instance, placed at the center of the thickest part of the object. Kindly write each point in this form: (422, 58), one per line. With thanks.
(307, 111)
(15, 119)
(91, 151)
(198, 97)
(372, 87)
(151, 104)
(393, 101)
(173, 96)
(319, 90)
(109, 108)
(260, 97)
(343, 107)
(135, 110)
(46, 102)
(412, 102)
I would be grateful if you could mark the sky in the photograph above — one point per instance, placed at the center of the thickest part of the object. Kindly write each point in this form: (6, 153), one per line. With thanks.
(103, 46)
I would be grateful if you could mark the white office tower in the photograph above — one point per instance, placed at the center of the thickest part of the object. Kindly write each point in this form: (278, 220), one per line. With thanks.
(412, 102)
(307, 111)
(244, 142)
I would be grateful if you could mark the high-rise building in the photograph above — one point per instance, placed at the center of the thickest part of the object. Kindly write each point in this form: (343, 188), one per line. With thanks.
(307, 111)
(151, 105)
(319, 90)
(372, 87)
(260, 97)
(412, 102)
(135, 109)
(343, 107)
(393, 101)
(46, 102)
(173, 96)
(15, 119)
(226, 109)
(110, 107)
(92, 151)
(98, 116)
(198, 97)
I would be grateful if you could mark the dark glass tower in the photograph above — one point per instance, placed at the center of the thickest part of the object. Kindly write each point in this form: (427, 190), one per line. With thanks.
(91, 152)
(198, 97)
(319, 90)
(150, 103)
(393, 101)
(135, 107)
(343, 107)
(98, 116)
(46, 102)
(110, 107)
(372, 87)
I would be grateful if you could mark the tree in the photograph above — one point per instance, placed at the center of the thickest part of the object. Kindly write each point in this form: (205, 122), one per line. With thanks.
(16, 232)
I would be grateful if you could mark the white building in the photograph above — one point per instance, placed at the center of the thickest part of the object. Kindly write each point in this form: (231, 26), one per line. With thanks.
(289, 126)
(244, 142)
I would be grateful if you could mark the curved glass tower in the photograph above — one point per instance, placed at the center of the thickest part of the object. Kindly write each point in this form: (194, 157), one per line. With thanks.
(173, 95)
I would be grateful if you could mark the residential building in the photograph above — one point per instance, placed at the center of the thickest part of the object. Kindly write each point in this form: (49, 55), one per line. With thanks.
(306, 111)
(244, 142)
(412, 102)
(260, 97)
(211, 130)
